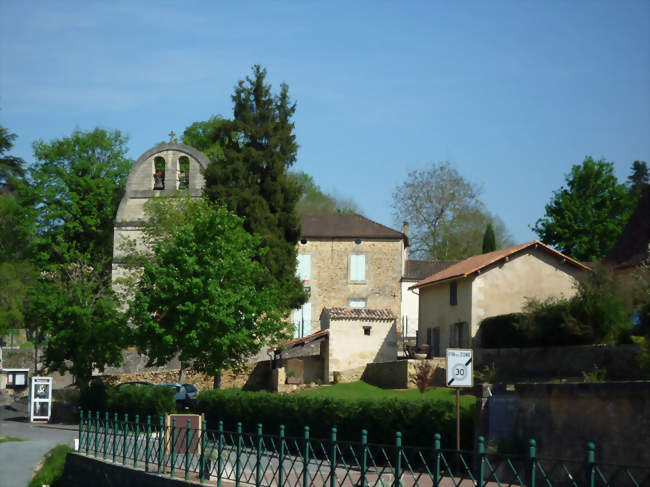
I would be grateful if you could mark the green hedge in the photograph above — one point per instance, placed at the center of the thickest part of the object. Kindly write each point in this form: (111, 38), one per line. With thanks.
(417, 420)
(504, 331)
(142, 400)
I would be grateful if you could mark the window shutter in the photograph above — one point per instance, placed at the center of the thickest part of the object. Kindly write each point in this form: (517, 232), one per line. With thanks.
(304, 267)
(357, 267)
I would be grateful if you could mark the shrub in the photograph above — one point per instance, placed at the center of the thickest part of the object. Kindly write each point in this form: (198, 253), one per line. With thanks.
(503, 331)
(94, 397)
(417, 420)
(142, 400)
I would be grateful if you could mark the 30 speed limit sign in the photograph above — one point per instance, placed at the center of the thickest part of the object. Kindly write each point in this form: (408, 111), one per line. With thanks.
(459, 367)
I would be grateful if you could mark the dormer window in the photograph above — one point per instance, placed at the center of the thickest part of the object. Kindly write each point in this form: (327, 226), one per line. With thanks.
(159, 173)
(183, 173)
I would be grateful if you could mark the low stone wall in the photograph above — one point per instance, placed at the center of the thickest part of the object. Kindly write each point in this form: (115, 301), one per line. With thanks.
(563, 417)
(545, 362)
(397, 374)
(81, 471)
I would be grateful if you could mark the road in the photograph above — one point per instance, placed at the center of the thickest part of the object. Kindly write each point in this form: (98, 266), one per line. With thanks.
(19, 458)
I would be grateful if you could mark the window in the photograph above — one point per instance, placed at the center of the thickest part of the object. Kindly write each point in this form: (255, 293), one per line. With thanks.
(159, 173)
(357, 303)
(458, 336)
(358, 268)
(366, 330)
(453, 293)
(183, 172)
(303, 271)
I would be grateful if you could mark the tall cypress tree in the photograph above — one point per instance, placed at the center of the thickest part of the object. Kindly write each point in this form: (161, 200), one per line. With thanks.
(251, 178)
(489, 240)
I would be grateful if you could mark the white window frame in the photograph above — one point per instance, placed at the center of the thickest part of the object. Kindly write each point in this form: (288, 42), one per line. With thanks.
(351, 267)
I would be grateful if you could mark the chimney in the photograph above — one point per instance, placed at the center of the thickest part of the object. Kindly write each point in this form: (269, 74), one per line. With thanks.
(405, 228)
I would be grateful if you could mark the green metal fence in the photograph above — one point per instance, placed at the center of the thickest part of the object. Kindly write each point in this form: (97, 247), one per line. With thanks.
(265, 460)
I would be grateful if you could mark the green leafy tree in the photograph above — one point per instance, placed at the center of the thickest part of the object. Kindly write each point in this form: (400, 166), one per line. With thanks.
(204, 296)
(76, 310)
(489, 240)
(16, 277)
(252, 179)
(585, 218)
(445, 214)
(205, 136)
(76, 184)
(314, 200)
(11, 167)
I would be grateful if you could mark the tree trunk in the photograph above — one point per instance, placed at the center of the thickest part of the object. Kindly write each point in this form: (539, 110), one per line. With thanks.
(180, 372)
(216, 384)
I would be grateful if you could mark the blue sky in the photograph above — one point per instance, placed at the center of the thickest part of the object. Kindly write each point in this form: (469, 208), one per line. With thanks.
(511, 93)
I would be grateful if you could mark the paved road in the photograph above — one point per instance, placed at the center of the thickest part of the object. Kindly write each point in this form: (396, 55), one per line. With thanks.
(18, 459)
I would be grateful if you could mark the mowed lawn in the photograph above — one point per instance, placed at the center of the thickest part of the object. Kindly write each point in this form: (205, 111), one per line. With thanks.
(360, 390)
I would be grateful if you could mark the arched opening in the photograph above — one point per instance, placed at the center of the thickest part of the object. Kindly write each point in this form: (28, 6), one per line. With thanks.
(183, 172)
(159, 173)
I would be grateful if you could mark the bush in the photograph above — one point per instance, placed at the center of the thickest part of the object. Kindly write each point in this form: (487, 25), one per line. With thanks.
(504, 331)
(132, 400)
(417, 420)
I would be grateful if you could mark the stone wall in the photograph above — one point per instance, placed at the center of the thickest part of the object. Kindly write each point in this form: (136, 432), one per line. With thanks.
(329, 277)
(397, 374)
(618, 360)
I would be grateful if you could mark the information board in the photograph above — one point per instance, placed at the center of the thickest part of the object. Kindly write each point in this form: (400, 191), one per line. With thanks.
(459, 367)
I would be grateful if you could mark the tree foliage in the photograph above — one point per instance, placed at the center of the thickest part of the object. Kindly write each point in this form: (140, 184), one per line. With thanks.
(206, 137)
(76, 184)
(204, 296)
(314, 200)
(445, 214)
(585, 218)
(11, 167)
(252, 178)
(489, 240)
(639, 179)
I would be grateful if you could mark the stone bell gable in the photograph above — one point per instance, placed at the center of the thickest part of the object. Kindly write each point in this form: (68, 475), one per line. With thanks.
(161, 171)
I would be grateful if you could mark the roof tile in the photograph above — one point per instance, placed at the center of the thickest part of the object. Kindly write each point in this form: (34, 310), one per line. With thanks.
(340, 313)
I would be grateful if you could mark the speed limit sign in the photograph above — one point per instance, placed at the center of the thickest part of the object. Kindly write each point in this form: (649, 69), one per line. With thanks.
(459, 367)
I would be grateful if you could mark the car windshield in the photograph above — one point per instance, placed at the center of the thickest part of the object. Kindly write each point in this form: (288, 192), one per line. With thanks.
(189, 387)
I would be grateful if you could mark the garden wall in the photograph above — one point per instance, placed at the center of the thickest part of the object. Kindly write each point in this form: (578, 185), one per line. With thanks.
(538, 362)
(396, 374)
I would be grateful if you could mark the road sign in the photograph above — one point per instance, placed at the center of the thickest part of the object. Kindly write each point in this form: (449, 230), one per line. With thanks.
(459, 367)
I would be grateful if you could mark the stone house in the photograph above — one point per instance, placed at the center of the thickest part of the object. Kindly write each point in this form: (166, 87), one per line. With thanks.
(454, 301)
(348, 261)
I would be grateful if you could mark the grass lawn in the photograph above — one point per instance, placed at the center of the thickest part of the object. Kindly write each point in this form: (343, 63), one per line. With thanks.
(361, 390)
(6, 439)
(52, 467)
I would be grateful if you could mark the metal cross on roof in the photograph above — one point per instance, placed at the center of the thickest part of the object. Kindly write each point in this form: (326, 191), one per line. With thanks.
(172, 137)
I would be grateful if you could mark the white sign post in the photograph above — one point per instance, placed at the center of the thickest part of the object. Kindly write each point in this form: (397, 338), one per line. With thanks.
(40, 404)
(459, 374)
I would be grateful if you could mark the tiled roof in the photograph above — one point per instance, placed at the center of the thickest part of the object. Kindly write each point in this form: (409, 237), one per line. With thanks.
(340, 313)
(346, 226)
(477, 262)
(306, 339)
(633, 246)
(417, 270)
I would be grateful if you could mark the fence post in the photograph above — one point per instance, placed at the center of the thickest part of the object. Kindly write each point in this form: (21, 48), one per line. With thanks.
(172, 447)
(105, 433)
(135, 443)
(219, 454)
(305, 460)
(480, 448)
(161, 443)
(88, 428)
(398, 459)
(125, 430)
(333, 459)
(204, 426)
(364, 456)
(81, 429)
(187, 448)
(436, 460)
(258, 457)
(237, 460)
(589, 467)
(115, 436)
(95, 438)
(532, 462)
(281, 458)
(147, 451)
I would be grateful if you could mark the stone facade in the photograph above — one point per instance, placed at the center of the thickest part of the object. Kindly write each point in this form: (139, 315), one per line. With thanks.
(329, 280)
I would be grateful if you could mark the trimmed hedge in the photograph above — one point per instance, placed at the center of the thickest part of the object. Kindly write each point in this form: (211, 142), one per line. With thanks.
(504, 331)
(142, 400)
(417, 420)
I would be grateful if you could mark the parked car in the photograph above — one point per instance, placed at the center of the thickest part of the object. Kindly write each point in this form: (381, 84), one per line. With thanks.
(192, 394)
(183, 399)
